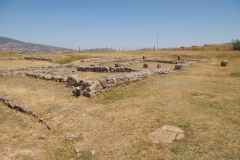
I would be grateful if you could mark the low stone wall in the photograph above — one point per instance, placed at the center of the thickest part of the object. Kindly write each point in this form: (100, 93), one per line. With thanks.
(19, 107)
(163, 61)
(41, 72)
(29, 58)
(90, 87)
(104, 69)
(121, 60)
(24, 109)
(180, 66)
(11, 58)
(53, 72)
(40, 59)
(55, 78)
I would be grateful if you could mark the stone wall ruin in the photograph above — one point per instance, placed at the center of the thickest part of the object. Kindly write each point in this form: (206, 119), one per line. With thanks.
(92, 86)
(29, 58)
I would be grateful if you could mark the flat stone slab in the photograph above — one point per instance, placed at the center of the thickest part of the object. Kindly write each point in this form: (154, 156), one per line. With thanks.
(172, 128)
(162, 136)
(166, 134)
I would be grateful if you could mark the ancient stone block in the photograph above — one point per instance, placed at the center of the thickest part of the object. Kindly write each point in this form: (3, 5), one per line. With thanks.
(224, 63)
(73, 80)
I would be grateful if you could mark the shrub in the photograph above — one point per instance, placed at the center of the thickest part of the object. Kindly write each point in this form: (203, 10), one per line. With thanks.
(236, 44)
(145, 65)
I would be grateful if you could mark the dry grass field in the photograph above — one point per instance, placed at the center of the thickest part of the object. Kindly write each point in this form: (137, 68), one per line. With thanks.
(202, 99)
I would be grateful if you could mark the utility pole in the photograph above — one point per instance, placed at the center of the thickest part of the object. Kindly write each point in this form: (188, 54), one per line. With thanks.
(79, 49)
(157, 42)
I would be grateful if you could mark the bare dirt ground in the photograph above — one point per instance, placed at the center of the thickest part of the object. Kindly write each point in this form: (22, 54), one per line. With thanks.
(202, 99)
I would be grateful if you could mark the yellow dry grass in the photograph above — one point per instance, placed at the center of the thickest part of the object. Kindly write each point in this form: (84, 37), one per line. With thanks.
(202, 99)
(22, 63)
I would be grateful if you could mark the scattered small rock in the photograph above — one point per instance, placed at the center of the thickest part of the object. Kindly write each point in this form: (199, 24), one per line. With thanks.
(93, 152)
(38, 136)
(70, 136)
(78, 149)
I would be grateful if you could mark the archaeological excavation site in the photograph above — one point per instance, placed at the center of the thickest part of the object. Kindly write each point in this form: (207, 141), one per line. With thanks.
(106, 105)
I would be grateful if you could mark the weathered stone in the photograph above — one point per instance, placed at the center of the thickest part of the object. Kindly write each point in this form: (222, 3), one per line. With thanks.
(179, 58)
(180, 136)
(73, 80)
(224, 63)
(162, 136)
(166, 134)
(70, 136)
(172, 128)
(178, 66)
(51, 125)
(78, 149)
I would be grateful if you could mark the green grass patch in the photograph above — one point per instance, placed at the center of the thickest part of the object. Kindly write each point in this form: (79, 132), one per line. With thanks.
(86, 155)
(176, 149)
(70, 58)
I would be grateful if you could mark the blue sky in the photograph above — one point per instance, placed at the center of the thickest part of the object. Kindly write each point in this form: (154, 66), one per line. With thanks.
(120, 23)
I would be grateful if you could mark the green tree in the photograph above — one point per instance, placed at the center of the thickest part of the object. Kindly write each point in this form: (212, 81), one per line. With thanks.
(236, 44)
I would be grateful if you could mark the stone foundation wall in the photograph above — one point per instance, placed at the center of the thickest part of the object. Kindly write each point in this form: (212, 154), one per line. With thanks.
(104, 69)
(40, 59)
(163, 61)
(29, 58)
(90, 87)
(11, 58)
(41, 72)
(185, 64)
(25, 109)
(121, 60)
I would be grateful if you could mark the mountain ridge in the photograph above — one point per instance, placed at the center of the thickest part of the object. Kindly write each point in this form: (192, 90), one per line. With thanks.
(8, 44)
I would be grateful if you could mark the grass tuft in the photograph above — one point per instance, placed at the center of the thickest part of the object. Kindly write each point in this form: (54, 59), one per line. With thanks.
(235, 74)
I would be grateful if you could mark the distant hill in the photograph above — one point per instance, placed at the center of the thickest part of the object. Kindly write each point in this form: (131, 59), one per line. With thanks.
(18, 46)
